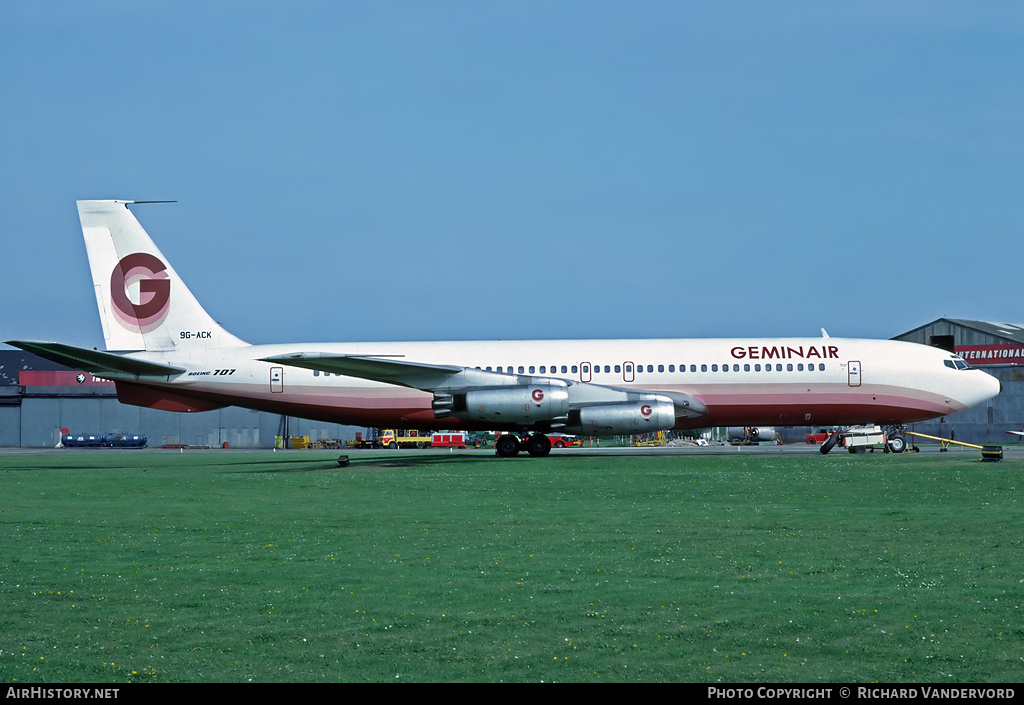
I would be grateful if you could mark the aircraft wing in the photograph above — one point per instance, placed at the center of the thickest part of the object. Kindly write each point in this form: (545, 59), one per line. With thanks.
(416, 375)
(442, 379)
(95, 361)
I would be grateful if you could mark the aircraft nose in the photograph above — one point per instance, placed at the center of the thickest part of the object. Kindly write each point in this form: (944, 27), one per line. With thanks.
(983, 388)
(993, 386)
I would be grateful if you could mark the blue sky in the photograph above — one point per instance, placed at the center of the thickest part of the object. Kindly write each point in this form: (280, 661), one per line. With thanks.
(465, 170)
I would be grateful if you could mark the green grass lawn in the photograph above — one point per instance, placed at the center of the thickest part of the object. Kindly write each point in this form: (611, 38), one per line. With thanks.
(209, 566)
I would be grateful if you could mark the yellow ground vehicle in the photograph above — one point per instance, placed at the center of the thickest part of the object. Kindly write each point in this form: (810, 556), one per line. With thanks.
(390, 438)
(649, 439)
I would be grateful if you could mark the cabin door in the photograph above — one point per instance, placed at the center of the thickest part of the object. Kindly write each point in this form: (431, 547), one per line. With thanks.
(277, 379)
(853, 372)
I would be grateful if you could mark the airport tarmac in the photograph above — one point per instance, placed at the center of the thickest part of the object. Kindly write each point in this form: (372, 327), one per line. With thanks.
(1011, 451)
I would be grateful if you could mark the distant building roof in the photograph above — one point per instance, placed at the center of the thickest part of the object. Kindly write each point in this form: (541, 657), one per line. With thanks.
(1011, 332)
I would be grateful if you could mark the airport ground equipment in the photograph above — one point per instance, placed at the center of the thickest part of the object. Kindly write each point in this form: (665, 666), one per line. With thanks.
(858, 439)
(390, 438)
(649, 439)
(103, 440)
(752, 435)
(988, 453)
(861, 438)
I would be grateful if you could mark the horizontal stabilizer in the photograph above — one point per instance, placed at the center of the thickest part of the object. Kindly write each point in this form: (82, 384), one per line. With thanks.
(94, 361)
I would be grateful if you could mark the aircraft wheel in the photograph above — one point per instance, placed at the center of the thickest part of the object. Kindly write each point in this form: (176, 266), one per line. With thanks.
(538, 445)
(829, 444)
(896, 444)
(507, 446)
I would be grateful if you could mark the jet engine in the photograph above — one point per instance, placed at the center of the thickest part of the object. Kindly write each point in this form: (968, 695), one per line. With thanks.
(518, 404)
(644, 416)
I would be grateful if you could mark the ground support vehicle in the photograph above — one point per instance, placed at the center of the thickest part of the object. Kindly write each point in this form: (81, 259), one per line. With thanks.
(858, 439)
(648, 439)
(448, 439)
(559, 440)
(390, 438)
(363, 443)
(818, 438)
(861, 438)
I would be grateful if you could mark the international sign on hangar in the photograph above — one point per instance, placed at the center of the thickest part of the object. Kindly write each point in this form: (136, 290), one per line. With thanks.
(981, 355)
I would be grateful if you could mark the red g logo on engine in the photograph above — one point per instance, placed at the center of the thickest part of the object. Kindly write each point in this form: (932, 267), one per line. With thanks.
(538, 395)
(154, 291)
(646, 411)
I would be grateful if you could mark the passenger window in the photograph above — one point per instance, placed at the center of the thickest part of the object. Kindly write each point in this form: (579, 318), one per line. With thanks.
(531, 369)
(565, 370)
(736, 367)
(618, 368)
(714, 368)
(800, 367)
(574, 369)
(693, 368)
(661, 368)
(821, 367)
(757, 367)
(520, 369)
(778, 367)
(608, 369)
(543, 369)
(704, 368)
(746, 367)
(671, 368)
(650, 368)
(789, 367)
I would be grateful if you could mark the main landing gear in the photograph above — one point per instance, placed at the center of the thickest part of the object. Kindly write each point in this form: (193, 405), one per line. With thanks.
(509, 445)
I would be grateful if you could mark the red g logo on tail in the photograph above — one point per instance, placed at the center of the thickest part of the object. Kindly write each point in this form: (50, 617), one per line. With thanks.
(153, 286)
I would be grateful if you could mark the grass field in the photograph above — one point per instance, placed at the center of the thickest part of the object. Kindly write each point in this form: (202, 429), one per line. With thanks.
(740, 567)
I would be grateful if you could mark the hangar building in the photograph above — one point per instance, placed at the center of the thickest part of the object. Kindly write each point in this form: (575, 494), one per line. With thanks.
(997, 348)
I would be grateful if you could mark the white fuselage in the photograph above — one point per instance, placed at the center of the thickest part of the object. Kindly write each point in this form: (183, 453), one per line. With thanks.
(776, 381)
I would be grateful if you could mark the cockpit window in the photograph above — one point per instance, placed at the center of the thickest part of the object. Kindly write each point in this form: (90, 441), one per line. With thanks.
(956, 363)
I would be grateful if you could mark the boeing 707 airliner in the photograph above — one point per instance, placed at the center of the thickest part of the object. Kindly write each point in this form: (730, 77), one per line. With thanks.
(165, 352)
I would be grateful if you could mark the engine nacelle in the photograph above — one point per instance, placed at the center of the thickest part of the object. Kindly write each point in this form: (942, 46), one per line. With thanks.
(625, 417)
(519, 404)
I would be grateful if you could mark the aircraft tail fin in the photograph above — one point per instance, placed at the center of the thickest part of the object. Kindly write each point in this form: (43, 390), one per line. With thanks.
(143, 303)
